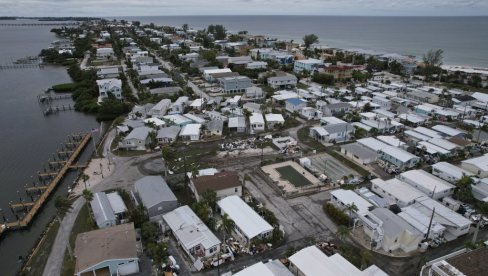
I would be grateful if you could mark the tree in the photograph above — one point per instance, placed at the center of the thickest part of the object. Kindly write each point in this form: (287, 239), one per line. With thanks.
(342, 232)
(63, 206)
(310, 39)
(185, 27)
(432, 61)
(88, 196)
(366, 258)
(350, 208)
(227, 225)
(210, 197)
(463, 189)
(84, 177)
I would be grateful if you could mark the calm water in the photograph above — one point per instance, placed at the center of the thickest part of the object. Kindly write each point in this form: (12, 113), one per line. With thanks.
(27, 138)
(464, 39)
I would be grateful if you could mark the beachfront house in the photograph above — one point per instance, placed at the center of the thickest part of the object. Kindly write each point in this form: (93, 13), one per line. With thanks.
(281, 82)
(108, 87)
(231, 85)
(308, 65)
(256, 123)
(295, 104)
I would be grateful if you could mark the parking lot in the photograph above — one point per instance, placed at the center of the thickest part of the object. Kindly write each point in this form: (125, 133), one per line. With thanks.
(334, 169)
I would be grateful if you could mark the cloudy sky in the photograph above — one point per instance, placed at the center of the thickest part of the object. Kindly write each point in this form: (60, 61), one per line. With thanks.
(246, 7)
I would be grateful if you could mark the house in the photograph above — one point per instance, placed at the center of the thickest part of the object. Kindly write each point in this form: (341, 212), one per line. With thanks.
(274, 120)
(237, 124)
(256, 123)
(195, 119)
(359, 153)
(225, 184)
(295, 104)
(155, 195)
(108, 73)
(459, 263)
(393, 232)
(310, 113)
(311, 261)
(372, 144)
(137, 139)
(252, 107)
(332, 133)
(214, 128)
(160, 109)
(108, 251)
(285, 81)
(179, 105)
(449, 172)
(308, 65)
(478, 166)
(248, 225)
(427, 183)
(109, 86)
(400, 158)
(195, 238)
(254, 92)
(102, 210)
(191, 132)
(336, 109)
(177, 119)
(105, 53)
(270, 268)
(448, 132)
(422, 222)
(396, 191)
(422, 96)
(456, 225)
(383, 102)
(168, 135)
(208, 73)
(237, 84)
(342, 199)
(257, 65)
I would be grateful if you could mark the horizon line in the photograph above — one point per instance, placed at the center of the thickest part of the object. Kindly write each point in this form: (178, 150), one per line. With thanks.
(233, 15)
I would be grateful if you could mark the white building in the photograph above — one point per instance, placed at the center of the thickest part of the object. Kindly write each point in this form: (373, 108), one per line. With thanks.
(256, 122)
(478, 166)
(179, 105)
(137, 139)
(160, 109)
(449, 172)
(191, 132)
(399, 157)
(308, 65)
(109, 86)
(344, 198)
(427, 183)
(421, 222)
(273, 120)
(247, 223)
(396, 191)
(196, 239)
(105, 53)
(295, 104)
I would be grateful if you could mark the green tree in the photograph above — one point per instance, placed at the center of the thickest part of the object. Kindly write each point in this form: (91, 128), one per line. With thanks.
(342, 232)
(210, 197)
(366, 258)
(84, 177)
(463, 189)
(310, 39)
(88, 196)
(185, 27)
(350, 208)
(226, 226)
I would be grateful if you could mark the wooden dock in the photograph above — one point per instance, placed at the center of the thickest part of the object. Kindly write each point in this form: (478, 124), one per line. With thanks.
(35, 206)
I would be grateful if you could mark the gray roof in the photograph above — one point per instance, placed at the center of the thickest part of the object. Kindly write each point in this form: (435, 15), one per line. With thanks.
(153, 190)
(393, 224)
(360, 151)
(139, 133)
(134, 123)
(337, 106)
(169, 132)
(282, 78)
(215, 125)
(102, 210)
(336, 128)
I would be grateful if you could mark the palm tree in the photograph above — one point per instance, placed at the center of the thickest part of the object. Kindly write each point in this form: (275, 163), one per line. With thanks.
(351, 208)
(366, 257)
(84, 177)
(63, 206)
(226, 227)
(88, 196)
(342, 232)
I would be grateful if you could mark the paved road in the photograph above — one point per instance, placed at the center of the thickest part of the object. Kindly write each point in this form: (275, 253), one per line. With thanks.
(198, 91)
(129, 81)
(55, 260)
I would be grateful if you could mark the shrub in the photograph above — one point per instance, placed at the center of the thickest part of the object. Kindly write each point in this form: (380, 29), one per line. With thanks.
(337, 215)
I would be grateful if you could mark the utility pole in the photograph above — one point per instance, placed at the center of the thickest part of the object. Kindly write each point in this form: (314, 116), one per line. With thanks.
(430, 224)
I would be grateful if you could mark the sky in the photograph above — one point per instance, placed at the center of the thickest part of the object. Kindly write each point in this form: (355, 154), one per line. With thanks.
(242, 7)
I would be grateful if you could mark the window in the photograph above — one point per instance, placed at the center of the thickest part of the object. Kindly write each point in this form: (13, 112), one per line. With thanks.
(236, 189)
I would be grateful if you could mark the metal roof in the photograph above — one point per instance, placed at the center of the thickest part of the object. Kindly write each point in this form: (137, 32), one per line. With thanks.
(102, 210)
(153, 190)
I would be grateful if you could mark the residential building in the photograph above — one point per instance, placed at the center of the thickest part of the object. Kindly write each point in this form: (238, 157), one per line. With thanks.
(137, 139)
(281, 82)
(237, 124)
(109, 86)
(449, 172)
(340, 72)
(332, 133)
(311, 261)
(343, 199)
(191, 132)
(422, 96)
(108, 73)
(336, 109)
(208, 74)
(214, 128)
(108, 251)
(254, 92)
(308, 65)
(195, 238)
(427, 183)
(160, 109)
(270, 268)
(295, 104)
(396, 191)
(179, 105)
(155, 195)
(400, 158)
(224, 183)
(102, 210)
(105, 53)
(274, 120)
(422, 222)
(168, 135)
(256, 123)
(248, 225)
(359, 153)
(478, 166)
(232, 85)
(257, 65)
(448, 132)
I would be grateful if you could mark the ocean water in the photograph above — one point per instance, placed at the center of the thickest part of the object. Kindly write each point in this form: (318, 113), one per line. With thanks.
(463, 39)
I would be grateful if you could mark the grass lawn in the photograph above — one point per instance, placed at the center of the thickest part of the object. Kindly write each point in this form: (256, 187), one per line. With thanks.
(193, 155)
(83, 223)
(129, 153)
(36, 263)
(294, 177)
(303, 136)
(302, 86)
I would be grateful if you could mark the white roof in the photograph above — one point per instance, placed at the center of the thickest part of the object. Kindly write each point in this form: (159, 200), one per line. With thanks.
(197, 103)
(372, 143)
(398, 189)
(428, 132)
(402, 155)
(385, 113)
(417, 135)
(349, 197)
(117, 203)
(256, 118)
(447, 130)
(480, 96)
(451, 169)
(419, 220)
(191, 130)
(479, 162)
(189, 229)
(245, 218)
(313, 262)
(391, 140)
(216, 71)
(274, 117)
(443, 214)
(431, 148)
(414, 118)
(155, 121)
(310, 61)
(255, 269)
(331, 120)
(320, 131)
(443, 143)
(195, 118)
(426, 180)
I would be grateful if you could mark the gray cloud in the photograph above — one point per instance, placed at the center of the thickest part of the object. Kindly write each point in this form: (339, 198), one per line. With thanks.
(231, 7)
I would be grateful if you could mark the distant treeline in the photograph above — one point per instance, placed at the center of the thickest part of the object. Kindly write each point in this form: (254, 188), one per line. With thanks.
(51, 18)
